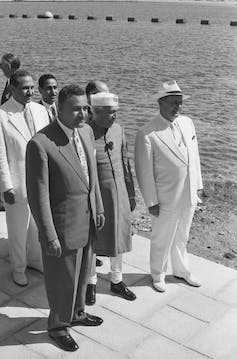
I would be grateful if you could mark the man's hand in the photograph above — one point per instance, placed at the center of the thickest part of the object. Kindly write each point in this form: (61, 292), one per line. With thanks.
(9, 196)
(201, 195)
(100, 221)
(154, 210)
(54, 249)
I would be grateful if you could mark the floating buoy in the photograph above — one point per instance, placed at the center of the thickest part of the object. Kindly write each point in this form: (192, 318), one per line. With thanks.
(72, 17)
(109, 18)
(13, 16)
(25, 16)
(131, 19)
(91, 17)
(204, 22)
(233, 23)
(180, 21)
(46, 15)
(154, 19)
(57, 17)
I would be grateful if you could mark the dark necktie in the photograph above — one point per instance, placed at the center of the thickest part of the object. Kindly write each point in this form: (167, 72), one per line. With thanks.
(54, 115)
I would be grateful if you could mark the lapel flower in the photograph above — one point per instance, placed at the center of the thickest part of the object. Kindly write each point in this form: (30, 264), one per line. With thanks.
(109, 146)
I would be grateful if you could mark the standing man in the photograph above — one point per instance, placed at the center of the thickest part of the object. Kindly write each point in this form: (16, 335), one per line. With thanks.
(9, 64)
(169, 175)
(65, 200)
(92, 88)
(20, 119)
(115, 179)
(48, 88)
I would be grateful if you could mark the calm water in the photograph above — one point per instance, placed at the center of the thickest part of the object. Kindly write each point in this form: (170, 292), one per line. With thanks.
(135, 57)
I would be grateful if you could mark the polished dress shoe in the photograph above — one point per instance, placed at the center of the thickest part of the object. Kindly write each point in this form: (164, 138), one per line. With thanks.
(121, 289)
(191, 280)
(87, 320)
(160, 286)
(65, 342)
(20, 279)
(90, 294)
(99, 262)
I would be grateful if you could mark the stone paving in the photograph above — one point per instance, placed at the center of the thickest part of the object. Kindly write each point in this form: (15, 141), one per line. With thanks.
(182, 323)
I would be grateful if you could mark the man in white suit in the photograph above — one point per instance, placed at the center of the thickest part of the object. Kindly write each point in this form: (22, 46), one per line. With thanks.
(20, 119)
(169, 175)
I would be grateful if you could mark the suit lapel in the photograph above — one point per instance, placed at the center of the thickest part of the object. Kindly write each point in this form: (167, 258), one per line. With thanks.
(17, 120)
(165, 135)
(70, 156)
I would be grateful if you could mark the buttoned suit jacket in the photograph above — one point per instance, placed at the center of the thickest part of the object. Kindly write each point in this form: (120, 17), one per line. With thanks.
(162, 169)
(14, 135)
(63, 203)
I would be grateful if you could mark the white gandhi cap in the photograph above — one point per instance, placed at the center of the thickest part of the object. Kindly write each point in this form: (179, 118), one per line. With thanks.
(104, 99)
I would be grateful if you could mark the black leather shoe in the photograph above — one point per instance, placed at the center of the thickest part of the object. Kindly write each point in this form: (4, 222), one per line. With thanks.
(87, 320)
(65, 342)
(90, 294)
(99, 263)
(123, 291)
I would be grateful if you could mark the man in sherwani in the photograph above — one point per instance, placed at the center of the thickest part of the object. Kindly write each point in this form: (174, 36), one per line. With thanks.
(48, 88)
(65, 199)
(169, 175)
(20, 119)
(115, 179)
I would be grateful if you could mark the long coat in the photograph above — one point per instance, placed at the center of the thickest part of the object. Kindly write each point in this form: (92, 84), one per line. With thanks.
(14, 136)
(161, 168)
(115, 181)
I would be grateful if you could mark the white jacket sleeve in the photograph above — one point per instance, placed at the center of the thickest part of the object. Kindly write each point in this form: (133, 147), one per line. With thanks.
(5, 177)
(144, 169)
(198, 164)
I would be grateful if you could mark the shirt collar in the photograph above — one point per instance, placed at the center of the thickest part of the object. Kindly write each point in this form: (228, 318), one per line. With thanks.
(68, 131)
(167, 122)
(47, 105)
(18, 105)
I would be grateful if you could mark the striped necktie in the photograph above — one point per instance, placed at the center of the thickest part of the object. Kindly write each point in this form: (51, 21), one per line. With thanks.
(53, 111)
(29, 119)
(80, 152)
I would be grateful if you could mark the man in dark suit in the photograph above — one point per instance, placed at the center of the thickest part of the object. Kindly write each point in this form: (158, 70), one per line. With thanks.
(9, 64)
(48, 88)
(65, 199)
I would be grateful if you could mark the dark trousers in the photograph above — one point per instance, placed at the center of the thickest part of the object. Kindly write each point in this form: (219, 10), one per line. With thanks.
(66, 282)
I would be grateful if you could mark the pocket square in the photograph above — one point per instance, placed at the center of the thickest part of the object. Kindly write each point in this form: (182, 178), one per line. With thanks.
(193, 137)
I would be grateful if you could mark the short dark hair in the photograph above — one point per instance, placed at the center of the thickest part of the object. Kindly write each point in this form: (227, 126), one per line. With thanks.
(19, 73)
(44, 78)
(68, 91)
(13, 61)
(91, 87)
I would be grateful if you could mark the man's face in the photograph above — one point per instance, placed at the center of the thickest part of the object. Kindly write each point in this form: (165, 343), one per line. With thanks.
(74, 111)
(170, 106)
(105, 116)
(49, 91)
(24, 91)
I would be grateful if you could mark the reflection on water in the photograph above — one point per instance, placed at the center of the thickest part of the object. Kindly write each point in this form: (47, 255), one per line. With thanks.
(135, 58)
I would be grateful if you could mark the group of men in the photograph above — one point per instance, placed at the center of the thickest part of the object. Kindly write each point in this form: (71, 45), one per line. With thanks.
(68, 189)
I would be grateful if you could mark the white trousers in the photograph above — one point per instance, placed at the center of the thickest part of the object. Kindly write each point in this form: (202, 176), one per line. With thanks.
(115, 266)
(170, 232)
(23, 243)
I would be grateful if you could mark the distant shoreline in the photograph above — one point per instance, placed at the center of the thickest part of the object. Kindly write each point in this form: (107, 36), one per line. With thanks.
(207, 2)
